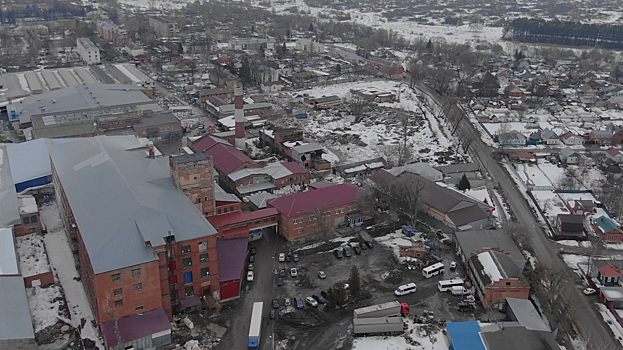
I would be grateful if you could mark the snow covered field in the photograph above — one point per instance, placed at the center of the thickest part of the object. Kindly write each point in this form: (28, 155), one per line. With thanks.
(420, 339)
(63, 264)
(32, 255)
(331, 129)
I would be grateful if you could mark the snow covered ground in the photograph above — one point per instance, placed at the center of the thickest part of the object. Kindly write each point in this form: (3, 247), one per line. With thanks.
(61, 258)
(33, 259)
(612, 322)
(421, 339)
(46, 306)
(394, 241)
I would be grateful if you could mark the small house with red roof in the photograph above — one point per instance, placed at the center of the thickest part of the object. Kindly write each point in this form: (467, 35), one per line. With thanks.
(319, 209)
(227, 158)
(614, 155)
(609, 275)
(522, 157)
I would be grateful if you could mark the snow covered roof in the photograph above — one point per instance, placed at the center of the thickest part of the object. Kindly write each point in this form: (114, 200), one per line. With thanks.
(493, 266)
(423, 169)
(274, 170)
(15, 319)
(9, 205)
(133, 195)
(27, 205)
(221, 196)
(29, 160)
(8, 256)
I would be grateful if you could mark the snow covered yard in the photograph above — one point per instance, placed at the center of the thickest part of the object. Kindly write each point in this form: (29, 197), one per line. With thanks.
(47, 306)
(417, 337)
(64, 267)
(608, 317)
(32, 255)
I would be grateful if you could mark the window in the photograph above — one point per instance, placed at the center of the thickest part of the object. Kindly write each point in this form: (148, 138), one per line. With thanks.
(352, 208)
(205, 272)
(204, 258)
(298, 221)
(249, 223)
(116, 277)
(339, 211)
(173, 279)
(274, 218)
(218, 211)
(231, 208)
(187, 262)
(139, 308)
(203, 246)
(189, 291)
(118, 291)
(33, 219)
(186, 249)
(138, 286)
(508, 283)
(174, 296)
(188, 277)
(312, 217)
(265, 220)
(205, 199)
(26, 220)
(326, 213)
(225, 210)
(136, 272)
(199, 200)
(257, 222)
(118, 303)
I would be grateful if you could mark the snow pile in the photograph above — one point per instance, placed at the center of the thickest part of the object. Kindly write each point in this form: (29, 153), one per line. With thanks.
(64, 266)
(533, 260)
(46, 306)
(421, 338)
(33, 259)
(394, 241)
(489, 266)
(572, 260)
(607, 316)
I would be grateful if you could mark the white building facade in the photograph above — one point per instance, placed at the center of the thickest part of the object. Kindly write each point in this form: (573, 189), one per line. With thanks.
(88, 51)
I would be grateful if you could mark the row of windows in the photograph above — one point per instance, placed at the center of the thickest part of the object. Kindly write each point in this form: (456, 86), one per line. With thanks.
(188, 276)
(325, 214)
(201, 246)
(292, 179)
(119, 303)
(135, 272)
(30, 220)
(231, 209)
(119, 291)
(188, 262)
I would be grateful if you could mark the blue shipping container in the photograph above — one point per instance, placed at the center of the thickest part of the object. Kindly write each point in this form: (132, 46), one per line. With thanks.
(301, 116)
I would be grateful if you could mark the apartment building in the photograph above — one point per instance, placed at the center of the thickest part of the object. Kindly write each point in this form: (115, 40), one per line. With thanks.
(163, 27)
(88, 51)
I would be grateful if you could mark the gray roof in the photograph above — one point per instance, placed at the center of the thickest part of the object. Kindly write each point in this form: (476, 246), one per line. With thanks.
(502, 265)
(567, 151)
(259, 199)
(459, 168)
(526, 315)
(519, 338)
(193, 157)
(274, 170)
(222, 196)
(548, 134)
(88, 44)
(68, 130)
(472, 242)
(9, 205)
(133, 195)
(79, 98)
(230, 107)
(307, 147)
(420, 168)
(15, 319)
(157, 119)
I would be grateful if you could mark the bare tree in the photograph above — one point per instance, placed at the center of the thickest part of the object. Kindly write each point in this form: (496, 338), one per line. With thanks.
(110, 311)
(357, 105)
(405, 194)
(502, 136)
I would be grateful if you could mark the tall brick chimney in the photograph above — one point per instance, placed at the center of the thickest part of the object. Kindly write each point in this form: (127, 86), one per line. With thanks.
(239, 116)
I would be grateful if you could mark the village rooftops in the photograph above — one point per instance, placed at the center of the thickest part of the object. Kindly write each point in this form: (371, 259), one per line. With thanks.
(136, 201)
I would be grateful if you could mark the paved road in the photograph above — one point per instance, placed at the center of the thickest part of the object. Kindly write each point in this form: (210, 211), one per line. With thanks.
(588, 320)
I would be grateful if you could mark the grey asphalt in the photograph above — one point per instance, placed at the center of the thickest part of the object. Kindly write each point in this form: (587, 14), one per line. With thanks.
(588, 320)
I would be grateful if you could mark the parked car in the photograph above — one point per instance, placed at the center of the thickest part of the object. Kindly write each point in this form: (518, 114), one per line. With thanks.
(251, 258)
(294, 272)
(287, 302)
(311, 301)
(253, 250)
(282, 273)
(251, 267)
(453, 265)
(363, 246)
(589, 291)
(288, 258)
(273, 314)
(250, 276)
(295, 257)
(282, 257)
(319, 298)
(298, 302)
(347, 252)
(356, 250)
(338, 253)
(369, 244)
(280, 281)
(322, 275)
(275, 303)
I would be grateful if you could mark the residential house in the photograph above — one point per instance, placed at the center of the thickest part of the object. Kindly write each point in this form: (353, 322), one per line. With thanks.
(614, 155)
(609, 275)
(316, 210)
(471, 243)
(617, 136)
(607, 229)
(422, 169)
(586, 90)
(496, 277)
(134, 49)
(600, 137)
(513, 138)
(569, 156)
(549, 137)
(569, 226)
(570, 139)
(513, 91)
(522, 157)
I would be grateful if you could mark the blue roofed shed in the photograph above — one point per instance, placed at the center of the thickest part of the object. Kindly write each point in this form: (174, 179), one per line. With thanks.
(465, 336)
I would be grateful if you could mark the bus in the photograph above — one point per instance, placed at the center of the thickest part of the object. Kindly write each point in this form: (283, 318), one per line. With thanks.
(256, 326)
(447, 285)
(432, 270)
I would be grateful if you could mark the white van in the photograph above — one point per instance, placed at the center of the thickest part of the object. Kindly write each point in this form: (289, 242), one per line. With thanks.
(406, 289)
(459, 290)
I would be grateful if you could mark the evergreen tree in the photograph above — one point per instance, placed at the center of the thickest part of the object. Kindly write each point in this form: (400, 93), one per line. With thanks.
(464, 184)
(311, 27)
(354, 281)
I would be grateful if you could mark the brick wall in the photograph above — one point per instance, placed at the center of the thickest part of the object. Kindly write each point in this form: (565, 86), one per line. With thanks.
(195, 179)
(291, 227)
(45, 279)
(27, 226)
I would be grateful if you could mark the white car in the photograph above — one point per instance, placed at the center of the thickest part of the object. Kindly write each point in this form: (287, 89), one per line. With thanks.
(322, 275)
(311, 301)
(589, 291)
(282, 257)
(287, 302)
(294, 272)
(453, 265)
(250, 276)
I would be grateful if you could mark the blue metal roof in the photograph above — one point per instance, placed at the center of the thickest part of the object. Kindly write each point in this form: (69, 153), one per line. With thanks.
(465, 336)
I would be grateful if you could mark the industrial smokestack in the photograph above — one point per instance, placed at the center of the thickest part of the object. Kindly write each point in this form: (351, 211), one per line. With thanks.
(239, 116)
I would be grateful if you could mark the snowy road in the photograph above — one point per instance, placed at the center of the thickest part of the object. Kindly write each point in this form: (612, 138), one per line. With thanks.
(62, 261)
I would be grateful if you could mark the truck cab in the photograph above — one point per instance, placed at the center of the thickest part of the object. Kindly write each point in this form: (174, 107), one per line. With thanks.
(404, 309)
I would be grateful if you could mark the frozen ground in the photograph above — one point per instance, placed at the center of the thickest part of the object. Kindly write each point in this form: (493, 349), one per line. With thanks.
(32, 257)
(422, 338)
(394, 241)
(46, 306)
(63, 264)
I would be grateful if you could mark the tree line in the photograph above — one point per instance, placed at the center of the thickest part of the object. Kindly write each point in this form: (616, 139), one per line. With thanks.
(565, 33)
